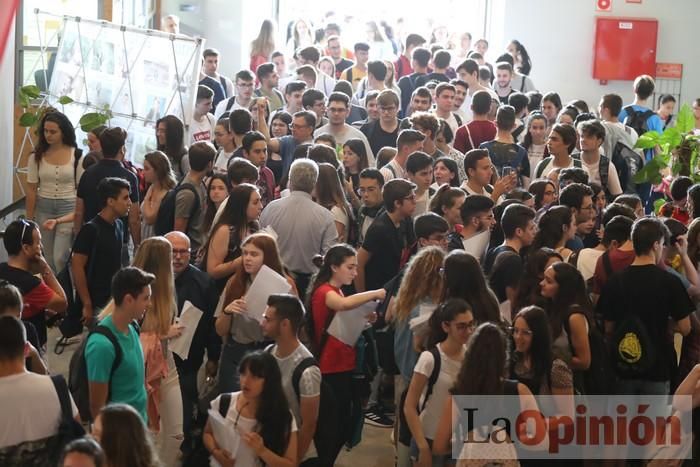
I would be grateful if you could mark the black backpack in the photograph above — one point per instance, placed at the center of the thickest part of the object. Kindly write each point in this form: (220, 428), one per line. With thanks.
(541, 165)
(165, 220)
(77, 370)
(627, 162)
(633, 352)
(404, 431)
(597, 379)
(637, 119)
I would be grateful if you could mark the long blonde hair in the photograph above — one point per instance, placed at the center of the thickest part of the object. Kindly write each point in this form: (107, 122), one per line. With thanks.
(264, 44)
(155, 256)
(422, 280)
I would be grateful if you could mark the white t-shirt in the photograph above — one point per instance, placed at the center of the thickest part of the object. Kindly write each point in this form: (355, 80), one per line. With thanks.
(550, 166)
(30, 408)
(449, 369)
(339, 215)
(594, 176)
(348, 132)
(535, 155)
(221, 160)
(587, 259)
(309, 384)
(221, 107)
(245, 455)
(202, 130)
(398, 172)
(422, 202)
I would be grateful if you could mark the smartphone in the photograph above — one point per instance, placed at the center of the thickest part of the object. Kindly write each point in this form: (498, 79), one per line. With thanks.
(507, 170)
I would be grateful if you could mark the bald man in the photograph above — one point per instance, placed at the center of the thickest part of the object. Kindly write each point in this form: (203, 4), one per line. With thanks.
(194, 286)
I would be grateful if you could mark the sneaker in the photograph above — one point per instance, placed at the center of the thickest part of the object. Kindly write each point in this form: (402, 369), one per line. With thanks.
(375, 416)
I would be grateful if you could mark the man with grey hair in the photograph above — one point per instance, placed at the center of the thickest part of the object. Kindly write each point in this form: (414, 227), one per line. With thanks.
(304, 228)
(171, 24)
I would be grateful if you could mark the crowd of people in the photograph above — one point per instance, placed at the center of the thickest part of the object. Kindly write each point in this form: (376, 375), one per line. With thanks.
(484, 229)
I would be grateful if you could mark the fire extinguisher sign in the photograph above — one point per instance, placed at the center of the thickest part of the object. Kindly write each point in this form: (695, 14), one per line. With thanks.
(603, 5)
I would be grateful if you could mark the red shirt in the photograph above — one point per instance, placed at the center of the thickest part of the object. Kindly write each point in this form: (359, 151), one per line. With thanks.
(336, 356)
(479, 130)
(402, 67)
(619, 260)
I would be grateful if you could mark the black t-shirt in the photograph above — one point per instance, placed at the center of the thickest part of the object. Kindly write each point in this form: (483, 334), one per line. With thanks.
(654, 295)
(87, 188)
(379, 138)
(104, 240)
(492, 254)
(506, 269)
(389, 247)
(425, 79)
(341, 66)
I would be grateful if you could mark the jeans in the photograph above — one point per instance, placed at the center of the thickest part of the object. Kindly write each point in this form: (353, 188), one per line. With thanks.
(57, 242)
(345, 399)
(231, 355)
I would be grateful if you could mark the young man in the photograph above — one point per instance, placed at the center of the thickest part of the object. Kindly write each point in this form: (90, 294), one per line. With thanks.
(245, 84)
(255, 150)
(404, 65)
(479, 170)
(650, 295)
(31, 414)
(131, 290)
(409, 141)
(441, 62)
(226, 142)
(478, 218)
(619, 255)
(503, 265)
(419, 167)
(421, 101)
(303, 124)
(389, 240)
(269, 80)
(504, 151)
(210, 77)
(190, 202)
(461, 90)
(376, 74)
(282, 321)
(385, 130)
(97, 251)
(599, 167)
(504, 75)
(11, 304)
(293, 93)
(407, 84)
(371, 184)
(335, 50)
(358, 71)
(468, 71)
(314, 101)
(579, 198)
(609, 109)
(310, 56)
(444, 104)
(480, 129)
(338, 108)
(203, 122)
(427, 124)
(22, 241)
(639, 115)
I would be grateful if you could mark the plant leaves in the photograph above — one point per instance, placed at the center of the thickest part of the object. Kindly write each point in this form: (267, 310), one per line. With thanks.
(685, 121)
(90, 121)
(648, 140)
(657, 205)
(28, 119)
(34, 92)
(63, 100)
(672, 137)
(650, 172)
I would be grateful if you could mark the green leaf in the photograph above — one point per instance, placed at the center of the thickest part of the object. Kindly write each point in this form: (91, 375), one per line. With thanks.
(685, 121)
(676, 168)
(24, 100)
(63, 100)
(657, 205)
(648, 140)
(31, 91)
(663, 159)
(650, 172)
(91, 120)
(28, 119)
(672, 137)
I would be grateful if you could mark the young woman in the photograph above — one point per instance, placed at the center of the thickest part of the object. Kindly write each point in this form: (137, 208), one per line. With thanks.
(380, 47)
(694, 242)
(327, 66)
(445, 171)
(238, 220)
(94, 147)
(521, 58)
(241, 334)
(336, 358)
(443, 140)
(261, 416)
(82, 452)
(561, 142)
(667, 103)
(451, 325)
(354, 161)
(329, 194)
(535, 265)
(535, 140)
(160, 177)
(217, 192)
(465, 279)
(279, 127)
(447, 202)
(551, 106)
(569, 310)
(54, 170)
(299, 35)
(170, 134)
(124, 438)
(262, 46)
(545, 192)
(567, 116)
(556, 227)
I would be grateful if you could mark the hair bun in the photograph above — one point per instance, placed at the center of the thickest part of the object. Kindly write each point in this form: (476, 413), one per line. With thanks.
(317, 260)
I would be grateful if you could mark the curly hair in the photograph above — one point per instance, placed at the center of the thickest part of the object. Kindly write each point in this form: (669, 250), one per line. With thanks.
(422, 279)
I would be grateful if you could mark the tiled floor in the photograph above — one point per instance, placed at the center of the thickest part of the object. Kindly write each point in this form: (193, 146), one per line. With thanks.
(375, 450)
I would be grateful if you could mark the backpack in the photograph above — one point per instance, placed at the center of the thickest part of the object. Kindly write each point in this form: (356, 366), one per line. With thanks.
(77, 370)
(627, 162)
(539, 170)
(404, 431)
(633, 351)
(596, 380)
(603, 170)
(165, 219)
(142, 185)
(637, 119)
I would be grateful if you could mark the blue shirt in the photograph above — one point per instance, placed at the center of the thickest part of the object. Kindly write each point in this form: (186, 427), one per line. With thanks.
(654, 123)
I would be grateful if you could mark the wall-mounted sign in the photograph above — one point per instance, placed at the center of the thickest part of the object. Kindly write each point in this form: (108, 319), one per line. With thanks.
(669, 70)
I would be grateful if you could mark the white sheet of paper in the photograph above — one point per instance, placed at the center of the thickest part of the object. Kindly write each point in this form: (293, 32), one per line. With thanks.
(189, 318)
(224, 432)
(477, 245)
(348, 325)
(265, 284)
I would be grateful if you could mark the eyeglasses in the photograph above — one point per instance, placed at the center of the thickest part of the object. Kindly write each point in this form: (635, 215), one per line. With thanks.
(519, 332)
(183, 252)
(371, 189)
(470, 326)
(336, 109)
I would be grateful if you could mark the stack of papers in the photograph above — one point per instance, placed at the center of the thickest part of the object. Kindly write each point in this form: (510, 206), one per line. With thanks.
(225, 434)
(266, 283)
(189, 318)
(348, 325)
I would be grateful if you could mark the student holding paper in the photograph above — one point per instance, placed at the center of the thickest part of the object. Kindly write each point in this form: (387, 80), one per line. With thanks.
(242, 333)
(337, 359)
(260, 415)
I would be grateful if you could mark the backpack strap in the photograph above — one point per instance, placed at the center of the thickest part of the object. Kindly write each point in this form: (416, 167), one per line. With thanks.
(603, 168)
(539, 170)
(607, 264)
(324, 331)
(222, 80)
(522, 83)
(229, 103)
(469, 135)
(299, 370)
(77, 157)
(458, 118)
(118, 353)
(224, 404)
(349, 75)
(577, 162)
(61, 387)
(573, 259)
(188, 186)
(434, 375)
